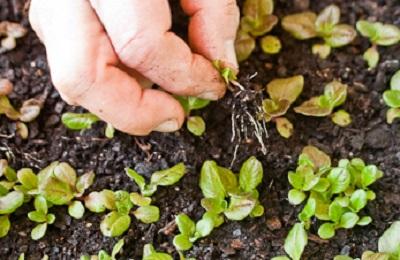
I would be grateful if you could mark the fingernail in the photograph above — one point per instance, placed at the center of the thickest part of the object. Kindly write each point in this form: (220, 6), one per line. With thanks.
(211, 95)
(168, 126)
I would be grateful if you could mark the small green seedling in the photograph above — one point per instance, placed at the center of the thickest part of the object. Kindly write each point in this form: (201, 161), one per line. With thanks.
(195, 124)
(257, 20)
(392, 98)
(190, 231)
(40, 216)
(233, 195)
(271, 44)
(388, 246)
(103, 255)
(84, 121)
(283, 93)
(326, 25)
(149, 253)
(227, 73)
(335, 95)
(379, 34)
(334, 195)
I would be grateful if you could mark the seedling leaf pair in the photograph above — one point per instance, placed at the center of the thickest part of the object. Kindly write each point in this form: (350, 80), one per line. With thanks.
(41, 216)
(103, 255)
(392, 98)
(195, 124)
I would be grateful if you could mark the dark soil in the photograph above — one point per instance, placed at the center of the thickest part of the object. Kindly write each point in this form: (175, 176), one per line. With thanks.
(368, 137)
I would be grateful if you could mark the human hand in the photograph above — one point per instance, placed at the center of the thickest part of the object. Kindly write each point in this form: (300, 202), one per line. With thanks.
(102, 52)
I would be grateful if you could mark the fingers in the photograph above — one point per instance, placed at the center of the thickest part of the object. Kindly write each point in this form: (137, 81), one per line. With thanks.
(139, 31)
(212, 29)
(86, 70)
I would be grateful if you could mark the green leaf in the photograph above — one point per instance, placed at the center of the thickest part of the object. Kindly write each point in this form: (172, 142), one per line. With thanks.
(110, 199)
(274, 108)
(84, 182)
(260, 25)
(205, 226)
(318, 158)
(327, 19)
(364, 221)
(76, 209)
(280, 258)
(342, 257)
(390, 240)
(341, 35)
(322, 50)
(392, 114)
(228, 178)
(147, 214)
(10, 202)
(339, 179)
(103, 255)
(251, 174)
(369, 175)
(110, 131)
(21, 256)
(286, 88)
(313, 107)
(210, 182)
(310, 180)
(65, 173)
(358, 200)
(296, 180)
(56, 191)
(296, 197)
(392, 98)
(148, 249)
(214, 205)
(326, 230)
(196, 125)
(123, 202)
(7, 109)
(371, 56)
(40, 204)
(136, 177)
(27, 178)
(308, 210)
(94, 202)
(117, 248)
(395, 81)
(296, 241)
(76, 121)
(336, 211)
(244, 45)
(37, 216)
(4, 226)
(158, 256)
(256, 8)
(368, 29)
(185, 224)
(322, 185)
(139, 200)
(39, 231)
(349, 220)
(50, 218)
(240, 207)
(258, 211)
(270, 44)
(197, 103)
(284, 127)
(336, 93)
(369, 255)
(301, 26)
(182, 242)
(341, 118)
(387, 34)
(169, 176)
(115, 224)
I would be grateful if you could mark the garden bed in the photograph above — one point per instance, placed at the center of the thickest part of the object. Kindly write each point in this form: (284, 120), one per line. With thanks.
(368, 137)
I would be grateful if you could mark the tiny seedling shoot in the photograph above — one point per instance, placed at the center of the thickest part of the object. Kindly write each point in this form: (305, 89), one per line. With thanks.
(392, 98)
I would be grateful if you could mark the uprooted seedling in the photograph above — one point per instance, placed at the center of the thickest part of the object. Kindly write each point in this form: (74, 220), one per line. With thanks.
(379, 34)
(335, 94)
(195, 124)
(103, 255)
(392, 98)
(333, 195)
(326, 25)
(84, 121)
(257, 20)
(9, 33)
(282, 94)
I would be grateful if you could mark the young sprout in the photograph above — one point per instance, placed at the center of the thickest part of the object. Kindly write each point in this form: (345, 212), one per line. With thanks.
(103, 255)
(40, 216)
(271, 44)
(195, 124)
(282, 92)
(335, 95)
(10, 31)
(392, 98)
(341, 118)
(326, 25)
(149, 253)
(244, 45)
(22, 130)
(333, 195)
(257, 17)
(77, 121)
(227, 73)
(7, 109)
(233, 195)
(379, 34)
(109, 132)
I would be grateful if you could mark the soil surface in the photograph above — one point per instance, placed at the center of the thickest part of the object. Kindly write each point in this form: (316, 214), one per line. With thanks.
(368, 137)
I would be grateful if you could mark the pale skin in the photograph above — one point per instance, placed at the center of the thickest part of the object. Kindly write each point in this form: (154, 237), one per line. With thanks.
(104, 55)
